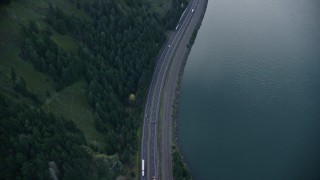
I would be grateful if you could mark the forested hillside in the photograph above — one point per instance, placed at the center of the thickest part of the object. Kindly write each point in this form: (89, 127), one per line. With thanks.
(87, 61)
(37, 145)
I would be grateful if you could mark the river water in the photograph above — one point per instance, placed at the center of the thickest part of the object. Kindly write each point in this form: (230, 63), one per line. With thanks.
(250, 94)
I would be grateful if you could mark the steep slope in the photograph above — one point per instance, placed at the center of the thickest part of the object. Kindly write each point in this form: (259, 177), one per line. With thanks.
(82, 60)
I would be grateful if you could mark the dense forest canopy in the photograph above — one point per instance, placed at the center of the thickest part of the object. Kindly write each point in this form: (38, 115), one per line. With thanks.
(116, 55)
(116, 58)
(33, 143)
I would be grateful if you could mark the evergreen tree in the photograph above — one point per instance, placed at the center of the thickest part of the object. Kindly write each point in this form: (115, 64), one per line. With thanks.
(13, 75)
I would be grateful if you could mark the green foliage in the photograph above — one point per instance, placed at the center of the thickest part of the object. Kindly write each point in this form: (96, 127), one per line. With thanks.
(111, 48)
(33, 142)
(115, 58)
(172, 17)
(180, 170)
(13, 75)
(46, 56)
(20, 86)
(116, 54)
(193, 37)
(71, 102)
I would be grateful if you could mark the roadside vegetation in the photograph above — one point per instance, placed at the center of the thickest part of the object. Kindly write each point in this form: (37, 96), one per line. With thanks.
(180, 169)
(193, 37)
(82, 61)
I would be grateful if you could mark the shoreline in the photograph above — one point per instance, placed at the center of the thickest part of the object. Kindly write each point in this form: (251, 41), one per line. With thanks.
(170, 96)
(178, 86)
(175, 105)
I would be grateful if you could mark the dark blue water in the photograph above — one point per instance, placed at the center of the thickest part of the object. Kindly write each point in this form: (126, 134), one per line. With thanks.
(250, 95)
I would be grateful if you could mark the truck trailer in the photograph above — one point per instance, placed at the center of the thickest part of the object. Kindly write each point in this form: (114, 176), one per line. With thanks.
(142, 167)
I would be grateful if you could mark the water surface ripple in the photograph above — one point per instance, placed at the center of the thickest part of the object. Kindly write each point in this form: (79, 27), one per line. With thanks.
(250, 96)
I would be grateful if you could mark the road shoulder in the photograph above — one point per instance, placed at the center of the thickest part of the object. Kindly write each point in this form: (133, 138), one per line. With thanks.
(170, 94)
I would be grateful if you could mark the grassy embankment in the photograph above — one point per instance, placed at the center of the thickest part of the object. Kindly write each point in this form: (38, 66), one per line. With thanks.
(67, 102)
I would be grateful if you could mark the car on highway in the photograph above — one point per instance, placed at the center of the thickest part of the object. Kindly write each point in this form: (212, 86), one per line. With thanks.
(169, 46)
(192, 10)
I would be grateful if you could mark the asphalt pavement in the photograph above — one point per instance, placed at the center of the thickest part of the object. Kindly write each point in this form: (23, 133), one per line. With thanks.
(162, 87)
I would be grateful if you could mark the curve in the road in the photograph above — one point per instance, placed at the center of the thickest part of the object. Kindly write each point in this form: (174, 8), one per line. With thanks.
(149, 133)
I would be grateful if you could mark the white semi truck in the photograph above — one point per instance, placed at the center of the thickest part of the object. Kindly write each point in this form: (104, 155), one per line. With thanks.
(142, 167)
(177, 26)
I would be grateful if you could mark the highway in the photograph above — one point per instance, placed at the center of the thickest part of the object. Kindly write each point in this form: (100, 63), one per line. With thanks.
(150, 137)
